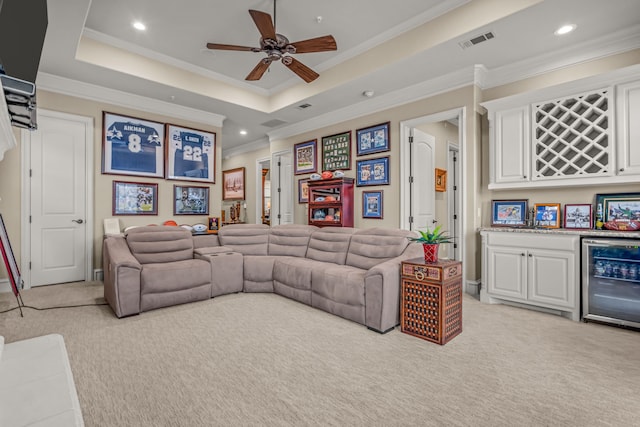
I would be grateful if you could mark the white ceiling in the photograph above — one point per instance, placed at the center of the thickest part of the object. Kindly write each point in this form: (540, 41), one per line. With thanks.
(383, 46)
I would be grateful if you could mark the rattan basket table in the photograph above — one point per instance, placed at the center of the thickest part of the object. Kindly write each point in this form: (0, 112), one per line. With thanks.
(431, 300)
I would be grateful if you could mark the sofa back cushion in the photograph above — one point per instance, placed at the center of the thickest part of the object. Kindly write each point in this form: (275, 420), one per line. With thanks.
(158, 244)
(290, 239)
(248, 239)
(372, 246)
(330, 244)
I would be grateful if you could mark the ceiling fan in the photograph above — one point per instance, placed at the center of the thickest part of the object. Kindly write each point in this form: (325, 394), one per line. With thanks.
(278, 48)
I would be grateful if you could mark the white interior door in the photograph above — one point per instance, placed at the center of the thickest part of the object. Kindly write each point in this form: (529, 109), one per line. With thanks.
(423, 196)
(58, 205)
(282, 188)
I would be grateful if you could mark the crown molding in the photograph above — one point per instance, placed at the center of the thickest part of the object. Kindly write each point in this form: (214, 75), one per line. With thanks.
(403, 96)
(614, 43)
(166, 59)
(78, 89)
(245, 148)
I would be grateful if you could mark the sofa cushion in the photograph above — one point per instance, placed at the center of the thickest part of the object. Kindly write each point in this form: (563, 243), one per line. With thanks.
(295, 272)
(159, 244)
(339, 289)
(248, 239)
(290, 239)
(174, 276)
(373, 246)
(330, 244)
(205, 241)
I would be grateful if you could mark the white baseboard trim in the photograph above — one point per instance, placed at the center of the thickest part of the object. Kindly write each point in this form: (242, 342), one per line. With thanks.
(5, 286)
(98, 275)
(472, 287)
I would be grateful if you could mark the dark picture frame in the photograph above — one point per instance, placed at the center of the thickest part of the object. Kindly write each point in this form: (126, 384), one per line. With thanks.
(336, 152)
(619, 211)
(579, 216)
(547, 215)
(233, 182)
(190, 154)
(372, 171)
(303, 190)
(372, 204)
(132, 146)
(13, 272)
(190, 200)
(134, 198)
(373, 139)
(305, 155)
(509, 213)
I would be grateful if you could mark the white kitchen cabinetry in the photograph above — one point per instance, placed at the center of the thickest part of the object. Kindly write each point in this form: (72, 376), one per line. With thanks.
(533, 270)
(628, 128)
(510, 150)
(583, 133)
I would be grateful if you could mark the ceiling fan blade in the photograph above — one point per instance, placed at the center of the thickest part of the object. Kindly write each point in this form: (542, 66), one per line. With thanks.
(219, 46)
(304, 72)
(258, 70)
(318, 44)
(264, 23)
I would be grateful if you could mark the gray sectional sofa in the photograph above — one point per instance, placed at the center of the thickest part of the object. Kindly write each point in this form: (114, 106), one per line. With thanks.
(353, 273)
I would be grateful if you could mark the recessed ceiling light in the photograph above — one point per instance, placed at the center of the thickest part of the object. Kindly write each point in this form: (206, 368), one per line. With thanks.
(565, 29)
(243, 132)
(139, 26)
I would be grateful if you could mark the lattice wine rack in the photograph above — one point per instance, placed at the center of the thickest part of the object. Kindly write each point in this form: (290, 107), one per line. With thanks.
(572, 136)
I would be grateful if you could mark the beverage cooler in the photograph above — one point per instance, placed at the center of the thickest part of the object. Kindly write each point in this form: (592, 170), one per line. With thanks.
(611, 281)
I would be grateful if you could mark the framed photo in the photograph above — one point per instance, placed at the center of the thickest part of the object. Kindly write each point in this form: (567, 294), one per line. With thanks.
(374, 139)
(304, 154)
(135, 198)
(619, 211)
(190, 200)
(441, 180)
(233, 184)
(9, 260)
(509, 213)
(336, 152)
(547, 215)
(214, 224)
(132, 146)
(578, 216)
(191, 154)
(303, 190)
(372, 171)
(372, 204)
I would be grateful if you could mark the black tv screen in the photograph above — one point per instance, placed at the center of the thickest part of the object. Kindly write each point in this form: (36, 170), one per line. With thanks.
(23, 24)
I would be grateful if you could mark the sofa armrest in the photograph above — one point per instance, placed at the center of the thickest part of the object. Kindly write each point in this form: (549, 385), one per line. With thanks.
(382, 291)
(121, 277)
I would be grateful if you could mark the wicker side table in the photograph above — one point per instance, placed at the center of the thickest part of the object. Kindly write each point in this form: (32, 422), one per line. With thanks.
(431, 300)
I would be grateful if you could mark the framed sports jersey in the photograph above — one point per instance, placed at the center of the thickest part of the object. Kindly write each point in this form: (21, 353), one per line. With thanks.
(132, 146)
(191, 154)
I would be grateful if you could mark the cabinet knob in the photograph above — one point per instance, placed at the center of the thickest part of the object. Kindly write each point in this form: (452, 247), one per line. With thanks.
(521, 254)
(525, 177)
(530, 255)
(419, 276)
(621, 169)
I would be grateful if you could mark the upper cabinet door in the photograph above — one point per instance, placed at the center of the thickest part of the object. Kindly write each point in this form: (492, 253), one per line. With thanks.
(628, 128)
(511, 132)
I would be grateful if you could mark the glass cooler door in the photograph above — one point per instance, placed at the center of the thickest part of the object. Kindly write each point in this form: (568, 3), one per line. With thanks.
(611, 281)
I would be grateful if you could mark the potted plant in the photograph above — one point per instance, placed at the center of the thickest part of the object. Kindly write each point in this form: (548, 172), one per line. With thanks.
(431, 240)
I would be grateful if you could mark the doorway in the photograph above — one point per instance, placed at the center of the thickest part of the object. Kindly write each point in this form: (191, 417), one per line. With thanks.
(263, 195)
(57, 200)
(282, 187)
(416, 179)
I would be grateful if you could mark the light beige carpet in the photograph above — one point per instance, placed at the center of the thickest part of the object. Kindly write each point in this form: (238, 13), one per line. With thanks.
(261, 359)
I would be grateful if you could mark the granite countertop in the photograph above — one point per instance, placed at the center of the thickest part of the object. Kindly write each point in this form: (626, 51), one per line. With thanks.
(566, 231)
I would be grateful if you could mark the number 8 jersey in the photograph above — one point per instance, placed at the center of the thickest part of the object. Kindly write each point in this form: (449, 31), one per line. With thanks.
(191, 157)
(134, 147)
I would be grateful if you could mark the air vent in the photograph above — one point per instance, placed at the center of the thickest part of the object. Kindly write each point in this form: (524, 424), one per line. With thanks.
(477, 39)
(273, 123)
(303, 106)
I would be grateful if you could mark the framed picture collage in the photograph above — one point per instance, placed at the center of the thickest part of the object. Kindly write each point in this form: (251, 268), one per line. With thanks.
(335, 153)
(144, 148)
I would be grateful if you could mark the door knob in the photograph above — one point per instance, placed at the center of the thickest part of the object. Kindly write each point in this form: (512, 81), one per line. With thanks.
(434, 221)
(78, 221)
